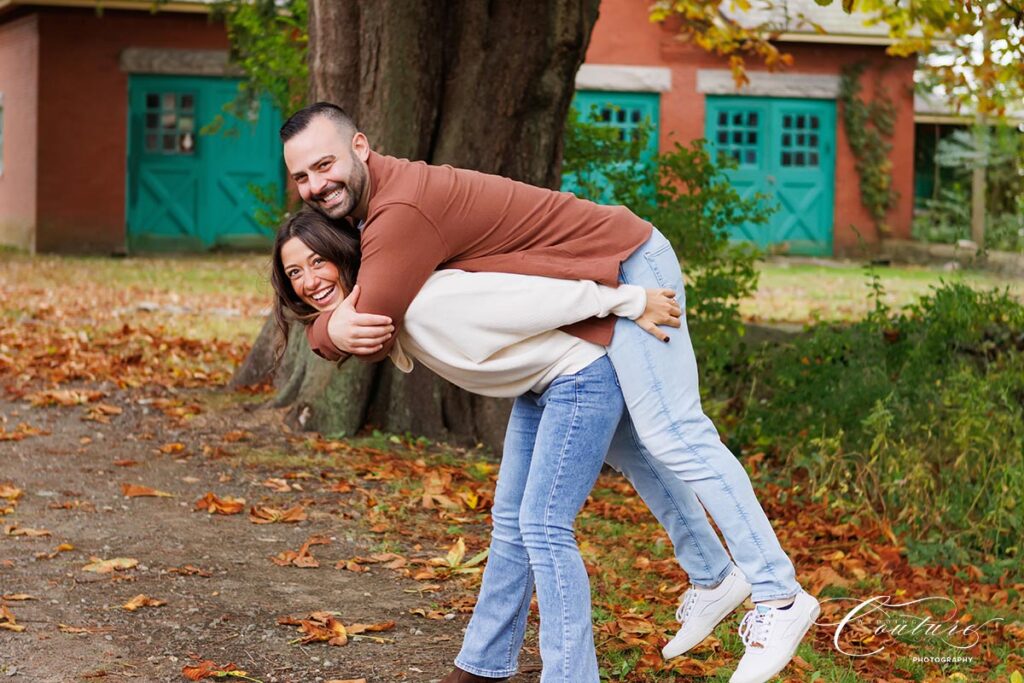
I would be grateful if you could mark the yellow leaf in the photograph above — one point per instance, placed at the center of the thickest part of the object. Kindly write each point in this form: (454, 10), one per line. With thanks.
(107, 566)
(456, 553)
(136, 491)
(141, 600)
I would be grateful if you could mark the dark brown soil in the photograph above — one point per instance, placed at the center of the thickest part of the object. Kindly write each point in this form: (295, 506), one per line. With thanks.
(229, 616)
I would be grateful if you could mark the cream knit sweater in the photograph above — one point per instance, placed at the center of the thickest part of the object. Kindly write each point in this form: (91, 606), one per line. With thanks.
(496, 333)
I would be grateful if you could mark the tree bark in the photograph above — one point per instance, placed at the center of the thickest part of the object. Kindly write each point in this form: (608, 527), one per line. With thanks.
(477, 84)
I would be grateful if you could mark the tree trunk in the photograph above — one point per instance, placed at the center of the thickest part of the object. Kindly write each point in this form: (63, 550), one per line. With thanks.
(471, 83)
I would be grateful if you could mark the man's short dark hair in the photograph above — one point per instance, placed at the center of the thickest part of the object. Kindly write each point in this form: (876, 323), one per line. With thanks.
(300, 120)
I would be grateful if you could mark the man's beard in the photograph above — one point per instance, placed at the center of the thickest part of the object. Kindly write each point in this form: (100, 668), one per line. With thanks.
(354, 190)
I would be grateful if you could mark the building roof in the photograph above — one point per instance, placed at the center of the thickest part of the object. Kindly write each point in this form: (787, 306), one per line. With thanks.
(808, 22)
(935, 107)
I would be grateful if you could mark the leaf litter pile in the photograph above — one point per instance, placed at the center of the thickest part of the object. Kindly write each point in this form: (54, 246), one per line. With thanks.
(126, 470)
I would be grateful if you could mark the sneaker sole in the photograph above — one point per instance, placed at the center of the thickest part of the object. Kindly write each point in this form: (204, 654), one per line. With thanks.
(670, 653)
(792, 653)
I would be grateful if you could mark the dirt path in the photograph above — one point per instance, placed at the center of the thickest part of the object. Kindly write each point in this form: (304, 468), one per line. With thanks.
(72, 480)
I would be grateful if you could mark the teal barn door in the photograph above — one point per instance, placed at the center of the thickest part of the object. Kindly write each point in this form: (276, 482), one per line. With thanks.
(625, 112)
(187, 191)
(785, 148)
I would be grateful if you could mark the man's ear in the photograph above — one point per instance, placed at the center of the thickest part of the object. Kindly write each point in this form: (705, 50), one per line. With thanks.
(361, 146)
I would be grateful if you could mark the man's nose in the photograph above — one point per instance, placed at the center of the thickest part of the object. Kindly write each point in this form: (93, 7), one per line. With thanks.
(317, 183)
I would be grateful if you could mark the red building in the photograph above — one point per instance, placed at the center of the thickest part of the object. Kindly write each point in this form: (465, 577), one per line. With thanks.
(784, 128)
(99, 130)
(100, 118)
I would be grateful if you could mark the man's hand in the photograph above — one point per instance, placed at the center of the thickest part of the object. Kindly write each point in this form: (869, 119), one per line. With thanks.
(662, 309)
(360, 334)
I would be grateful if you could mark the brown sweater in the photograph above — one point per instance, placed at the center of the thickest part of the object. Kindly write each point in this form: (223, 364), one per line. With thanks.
(424, 217)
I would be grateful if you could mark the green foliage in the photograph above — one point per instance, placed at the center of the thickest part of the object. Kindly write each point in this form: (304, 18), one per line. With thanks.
(269, 42)
(869, 128)
(947, 218)
(688, 197)
(917, 416)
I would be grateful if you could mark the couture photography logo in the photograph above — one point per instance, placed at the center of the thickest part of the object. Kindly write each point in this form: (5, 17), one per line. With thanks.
(935, 627)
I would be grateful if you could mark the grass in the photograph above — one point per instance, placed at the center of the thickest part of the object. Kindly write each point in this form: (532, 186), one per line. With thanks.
(793, 291)
(218, 296)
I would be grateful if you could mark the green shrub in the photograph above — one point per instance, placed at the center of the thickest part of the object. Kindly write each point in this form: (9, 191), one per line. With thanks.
(915, 416)
(689, 198)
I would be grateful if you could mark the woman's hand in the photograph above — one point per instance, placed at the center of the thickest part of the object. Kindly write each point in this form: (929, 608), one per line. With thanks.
(662, 309)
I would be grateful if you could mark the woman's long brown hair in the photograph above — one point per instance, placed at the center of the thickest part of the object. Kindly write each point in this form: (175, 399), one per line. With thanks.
(336, 241)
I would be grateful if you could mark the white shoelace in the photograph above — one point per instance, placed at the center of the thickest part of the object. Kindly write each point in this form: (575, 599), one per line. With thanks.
(755, 627)
(684, 610)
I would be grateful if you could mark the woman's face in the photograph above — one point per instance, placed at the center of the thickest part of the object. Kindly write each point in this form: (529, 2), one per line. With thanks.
(315, 279)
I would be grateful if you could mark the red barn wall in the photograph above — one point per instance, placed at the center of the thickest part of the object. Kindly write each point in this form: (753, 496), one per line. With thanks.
(624, 35)
(83, 114)
(19, 76)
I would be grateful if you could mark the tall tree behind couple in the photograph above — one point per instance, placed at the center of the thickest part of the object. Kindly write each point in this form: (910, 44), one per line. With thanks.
(478, 85)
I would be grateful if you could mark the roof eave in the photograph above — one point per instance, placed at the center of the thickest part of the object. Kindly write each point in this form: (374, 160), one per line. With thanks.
(834, 39)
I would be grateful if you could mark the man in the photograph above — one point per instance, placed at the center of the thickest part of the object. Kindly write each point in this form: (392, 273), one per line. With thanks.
(415, 218)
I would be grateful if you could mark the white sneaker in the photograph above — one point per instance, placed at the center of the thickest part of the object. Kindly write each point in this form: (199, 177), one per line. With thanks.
(771, 636)
(702, 609)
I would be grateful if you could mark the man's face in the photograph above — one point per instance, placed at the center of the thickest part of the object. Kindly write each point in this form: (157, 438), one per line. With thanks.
(329, 168)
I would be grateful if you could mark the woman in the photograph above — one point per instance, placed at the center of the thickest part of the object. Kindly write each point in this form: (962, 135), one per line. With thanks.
(567, 408)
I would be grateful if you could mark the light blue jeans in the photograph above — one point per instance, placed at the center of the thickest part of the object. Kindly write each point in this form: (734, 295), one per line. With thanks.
(554, 448)
(659, 385)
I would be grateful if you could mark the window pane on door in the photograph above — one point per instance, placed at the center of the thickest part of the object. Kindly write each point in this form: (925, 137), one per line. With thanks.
(738, 136)
(169, 123)
(799, 148)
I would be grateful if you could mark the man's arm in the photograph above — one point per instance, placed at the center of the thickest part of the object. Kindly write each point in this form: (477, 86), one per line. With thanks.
(400, 249)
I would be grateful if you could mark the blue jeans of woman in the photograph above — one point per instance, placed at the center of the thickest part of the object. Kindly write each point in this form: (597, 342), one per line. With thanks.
(554, 448)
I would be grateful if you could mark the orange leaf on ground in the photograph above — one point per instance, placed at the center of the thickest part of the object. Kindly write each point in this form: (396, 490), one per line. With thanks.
(82, 630)
(209, 669)
(278, 485)
(64, 397)
(141, 600)
(7, 620)
(347, 680)
(22, 431)
(189, 570)
(169, 448)
(125, 463)
(62, 548)
(268, 515)
(15, 530)
(107, 566)
(221, 506)
(237, 435)
(321, 627)
(10, 491)
(15, 597)
(303, 558)
(137, 491)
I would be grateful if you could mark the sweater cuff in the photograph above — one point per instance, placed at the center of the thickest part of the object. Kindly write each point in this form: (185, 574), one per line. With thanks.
(625, 301)
(320, 341)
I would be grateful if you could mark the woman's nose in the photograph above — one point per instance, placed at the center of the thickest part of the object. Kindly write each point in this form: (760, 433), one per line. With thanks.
(309, 281)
